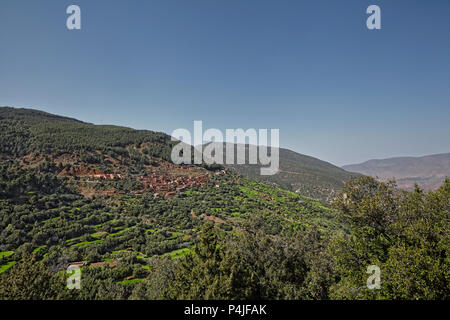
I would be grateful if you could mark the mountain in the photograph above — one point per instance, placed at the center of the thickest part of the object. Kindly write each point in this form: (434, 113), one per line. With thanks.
(109, 195)
(429, 172)
(300, 173)
(33, 131)
(107, 206)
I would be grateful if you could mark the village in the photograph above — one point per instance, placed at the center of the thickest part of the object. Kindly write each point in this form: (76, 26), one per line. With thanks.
(169, 185)
(162, 183)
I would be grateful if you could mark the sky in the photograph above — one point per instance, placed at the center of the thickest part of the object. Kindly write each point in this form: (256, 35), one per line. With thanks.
(312, 69)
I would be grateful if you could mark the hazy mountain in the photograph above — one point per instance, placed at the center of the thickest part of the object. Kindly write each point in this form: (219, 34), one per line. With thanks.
(428, 171)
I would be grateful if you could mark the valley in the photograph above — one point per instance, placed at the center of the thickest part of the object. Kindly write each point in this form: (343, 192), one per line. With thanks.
(108, 200)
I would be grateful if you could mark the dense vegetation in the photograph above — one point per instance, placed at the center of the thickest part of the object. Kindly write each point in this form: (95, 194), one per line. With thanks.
(227, 238)
(27, 131)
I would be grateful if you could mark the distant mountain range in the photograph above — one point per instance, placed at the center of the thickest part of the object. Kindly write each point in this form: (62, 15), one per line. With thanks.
(429, 172)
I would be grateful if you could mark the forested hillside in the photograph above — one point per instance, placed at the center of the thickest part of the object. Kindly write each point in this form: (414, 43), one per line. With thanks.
(302, 174)
(109, 200)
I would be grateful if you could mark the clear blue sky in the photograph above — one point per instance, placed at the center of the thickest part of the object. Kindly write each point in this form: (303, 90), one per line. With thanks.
(336, 90)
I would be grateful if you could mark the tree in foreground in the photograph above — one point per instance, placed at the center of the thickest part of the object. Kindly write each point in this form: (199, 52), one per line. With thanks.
(405, 234)
(30, 280)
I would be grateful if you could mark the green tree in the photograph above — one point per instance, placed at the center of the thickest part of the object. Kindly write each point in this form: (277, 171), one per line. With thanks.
(406, 234)
(30, 280)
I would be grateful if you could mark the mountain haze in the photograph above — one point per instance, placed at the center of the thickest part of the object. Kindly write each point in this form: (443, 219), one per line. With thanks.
(429, 172)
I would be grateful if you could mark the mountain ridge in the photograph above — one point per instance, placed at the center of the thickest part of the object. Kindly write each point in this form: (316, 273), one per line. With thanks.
(427, 171)
(299, 173)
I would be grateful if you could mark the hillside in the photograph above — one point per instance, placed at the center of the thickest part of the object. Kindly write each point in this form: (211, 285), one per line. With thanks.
(106, 195)
(429, 172)
(302, 174)
(33, 132)
(108, 200)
